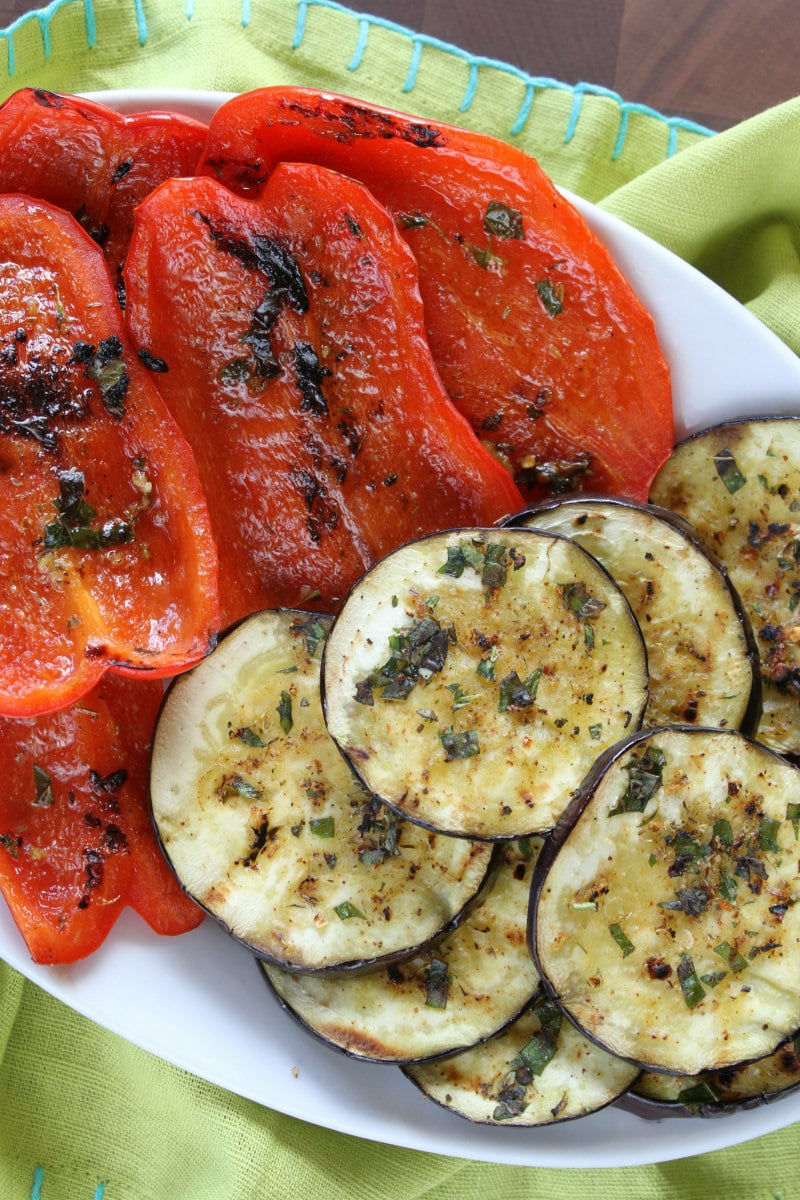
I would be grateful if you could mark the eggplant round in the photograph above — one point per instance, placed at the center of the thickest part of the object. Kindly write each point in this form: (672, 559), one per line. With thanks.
(267, 829)
(538, 1071)
(716, 1092)
(738, 484)
(473, 676)
(663, 912)
(701, 651)
(461, 990)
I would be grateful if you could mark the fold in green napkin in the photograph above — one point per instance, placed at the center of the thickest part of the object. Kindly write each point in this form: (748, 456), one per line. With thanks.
(85, 1115)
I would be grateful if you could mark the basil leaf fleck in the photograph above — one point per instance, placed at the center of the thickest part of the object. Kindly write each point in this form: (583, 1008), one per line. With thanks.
(503, 221)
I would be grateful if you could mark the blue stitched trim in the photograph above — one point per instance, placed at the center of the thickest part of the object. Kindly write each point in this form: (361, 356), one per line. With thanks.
(44, 16)
(418, 42)
(475, 62)
(38, 1179)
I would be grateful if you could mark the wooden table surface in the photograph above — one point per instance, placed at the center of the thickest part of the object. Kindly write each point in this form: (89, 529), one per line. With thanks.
(714, 61)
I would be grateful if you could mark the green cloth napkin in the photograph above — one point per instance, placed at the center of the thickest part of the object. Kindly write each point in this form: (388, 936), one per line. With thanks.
(83, 1114)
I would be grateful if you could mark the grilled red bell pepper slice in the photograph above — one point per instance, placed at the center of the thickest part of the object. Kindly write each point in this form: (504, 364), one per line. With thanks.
(299, 371)
(76, 841)
(106, 553)
(92, 161)
(539, 339)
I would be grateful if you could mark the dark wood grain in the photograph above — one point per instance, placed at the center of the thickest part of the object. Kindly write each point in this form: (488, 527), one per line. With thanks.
(714, 61)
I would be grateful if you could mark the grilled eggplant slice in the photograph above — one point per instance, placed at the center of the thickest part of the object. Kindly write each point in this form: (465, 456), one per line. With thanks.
(473, 676)
(714, 1092)
(537, 1071)
(701, 651)
(267, 829)
(663, 909)
(466, 986)
(738, 484)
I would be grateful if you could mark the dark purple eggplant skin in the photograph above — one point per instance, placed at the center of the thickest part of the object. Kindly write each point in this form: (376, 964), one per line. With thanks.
(752, 715)
(565, 823)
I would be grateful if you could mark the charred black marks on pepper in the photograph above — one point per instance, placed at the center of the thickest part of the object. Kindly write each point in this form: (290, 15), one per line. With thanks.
(104, 364)
(349, 122)
(286, 287)
(310, 377)
(151, 361)
(37, 394)
(322, 512)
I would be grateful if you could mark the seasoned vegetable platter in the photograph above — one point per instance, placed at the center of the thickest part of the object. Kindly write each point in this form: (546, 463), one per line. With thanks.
(205, 978)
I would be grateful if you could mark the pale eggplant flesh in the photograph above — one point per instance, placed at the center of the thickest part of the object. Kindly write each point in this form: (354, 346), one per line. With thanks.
(701, 652)
(663, 912)
(473, 676)
(265, 826)
(538, 1071)
(465, 986)
(738, 484)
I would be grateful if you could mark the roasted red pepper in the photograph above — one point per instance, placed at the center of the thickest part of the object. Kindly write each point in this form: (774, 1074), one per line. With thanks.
(299, 370)
(92, 161)
(106, 553)
(76, 841)
(539, 339)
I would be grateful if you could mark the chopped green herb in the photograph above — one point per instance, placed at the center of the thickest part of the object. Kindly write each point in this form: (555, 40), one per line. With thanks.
(515, 694)
(595, 732)
(540, 1050)
(73, 527)
(482, 256)
(284, 711)
(459, 557)
(502, 221)
(728, 888)
(459, 745)
(691, 987)
(768, 834)
(104, 364)
(322, 826)
(723, 832)
(438, 979)
(578, 599)
(346, 911)
(418, 652)
(712, 978)
(728, 471)
(460, 698)
(621, 938)
(312, 631)
(11, 844)
(793, 815)
(735, 961)
(692, 901)
(249, 737)
(43, 787)
(644, 780)
(495, 566)
(551, 295)
(485, 667)
(698, 1093)
(237, 785)
(411, 220)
